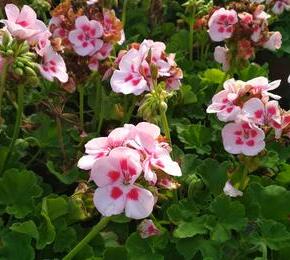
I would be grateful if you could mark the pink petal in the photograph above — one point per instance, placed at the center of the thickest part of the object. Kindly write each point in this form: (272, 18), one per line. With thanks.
(139, 203)
(110, 200)
(86, 162)
(97, 145)
(12, 12)
(81, 21)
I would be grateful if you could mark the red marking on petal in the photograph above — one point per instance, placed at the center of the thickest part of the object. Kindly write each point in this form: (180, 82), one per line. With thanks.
(53, 69)
(129, 77)
(276, 125)
(221, 29)
(160, 164)
(86, 28)
(151, 230)
(258, 113)
(135, 82)
(114, 175)
(225, 100)
(230, 109)
(238, 132)
(85, 44)
(22, 23)
(230, 29)
(52, 63)
(222, 18)
(239, 141)
(81, 37)
(116, 193)
(132, 171)
(271, 110)
(286, 119)
(231, 18)
(253, 133)
(250, 143)
(133, 194)
(245, 126)
(124, 165)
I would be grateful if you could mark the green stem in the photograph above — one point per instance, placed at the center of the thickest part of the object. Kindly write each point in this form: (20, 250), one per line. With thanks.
(20, 101)
(94, 231)
(124, 12)
(98, 100)
(81, 106)
(190, 39)
(101, 98)
(130, 110)
(2, 84)
(165, 125)
(60, 137)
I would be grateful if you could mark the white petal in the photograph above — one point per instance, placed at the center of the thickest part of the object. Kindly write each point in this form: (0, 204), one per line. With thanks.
(110, 200)
(86, 162)
(139, 203)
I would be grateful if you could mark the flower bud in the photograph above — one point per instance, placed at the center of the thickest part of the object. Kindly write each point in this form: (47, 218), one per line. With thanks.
(18, 71)
(148, 229)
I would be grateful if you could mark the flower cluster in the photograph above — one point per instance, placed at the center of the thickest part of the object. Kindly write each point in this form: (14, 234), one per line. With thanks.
(250, 113)
(142, 65)
(128, 155)
(244, 28)
(90, 32)
(23, 25)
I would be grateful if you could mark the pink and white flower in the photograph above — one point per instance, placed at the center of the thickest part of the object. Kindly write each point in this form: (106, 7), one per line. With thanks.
(222, 56)
(130, 78)
(101, 54)
(115, 176)
(274, 42)
(221, 24)
(86, 37)
(22, 24)
(53, 66)
(256, 112)
(240, 138)
(147, 229)
(102, 146)
(280, 6)
(223, 103)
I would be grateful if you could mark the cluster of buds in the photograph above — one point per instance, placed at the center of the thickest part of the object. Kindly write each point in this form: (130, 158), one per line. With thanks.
(244, 28)
(125, 166)
(143, 66)
(29, 38)
(89, 32)
(250, 113)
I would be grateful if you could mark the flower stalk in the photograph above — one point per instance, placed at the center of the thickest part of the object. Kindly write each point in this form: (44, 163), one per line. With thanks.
(2, 85)
(94, 231)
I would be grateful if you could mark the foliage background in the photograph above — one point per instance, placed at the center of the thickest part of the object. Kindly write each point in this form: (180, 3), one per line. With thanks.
(43, 216)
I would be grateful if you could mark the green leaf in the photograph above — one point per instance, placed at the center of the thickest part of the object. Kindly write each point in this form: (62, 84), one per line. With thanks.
(16, 246)
(213, 76)
(195, 137)
(66, 178)
(28, 227)
(272, 201)
(119, 253)
(253, 71)
(231, 214)
(214, 174)
(188, 95)
(190, 229)
(18, 191)
(284, 176)
(182, 211)
(140, 249)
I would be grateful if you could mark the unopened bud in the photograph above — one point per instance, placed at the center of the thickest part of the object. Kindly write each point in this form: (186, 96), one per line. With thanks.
(18, 71)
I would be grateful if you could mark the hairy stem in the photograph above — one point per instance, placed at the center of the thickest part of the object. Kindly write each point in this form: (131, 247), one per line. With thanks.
(94, 231)
(101, 97)
(124, 12)
(60, 137)
(165, 125)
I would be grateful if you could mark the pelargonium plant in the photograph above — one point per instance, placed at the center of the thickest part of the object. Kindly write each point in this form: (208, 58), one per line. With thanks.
(244, 27)
(250, 115)
(126, 166)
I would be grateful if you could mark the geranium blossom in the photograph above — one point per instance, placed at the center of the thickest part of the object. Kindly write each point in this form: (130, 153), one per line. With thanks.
(221, 24)
(115, 176)
(23, 24)
(223, 103)
(240, 138)
(53, 66)
(255, 111)
(130, 78)
(86, 37)
(101, 147)
(279, 6)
